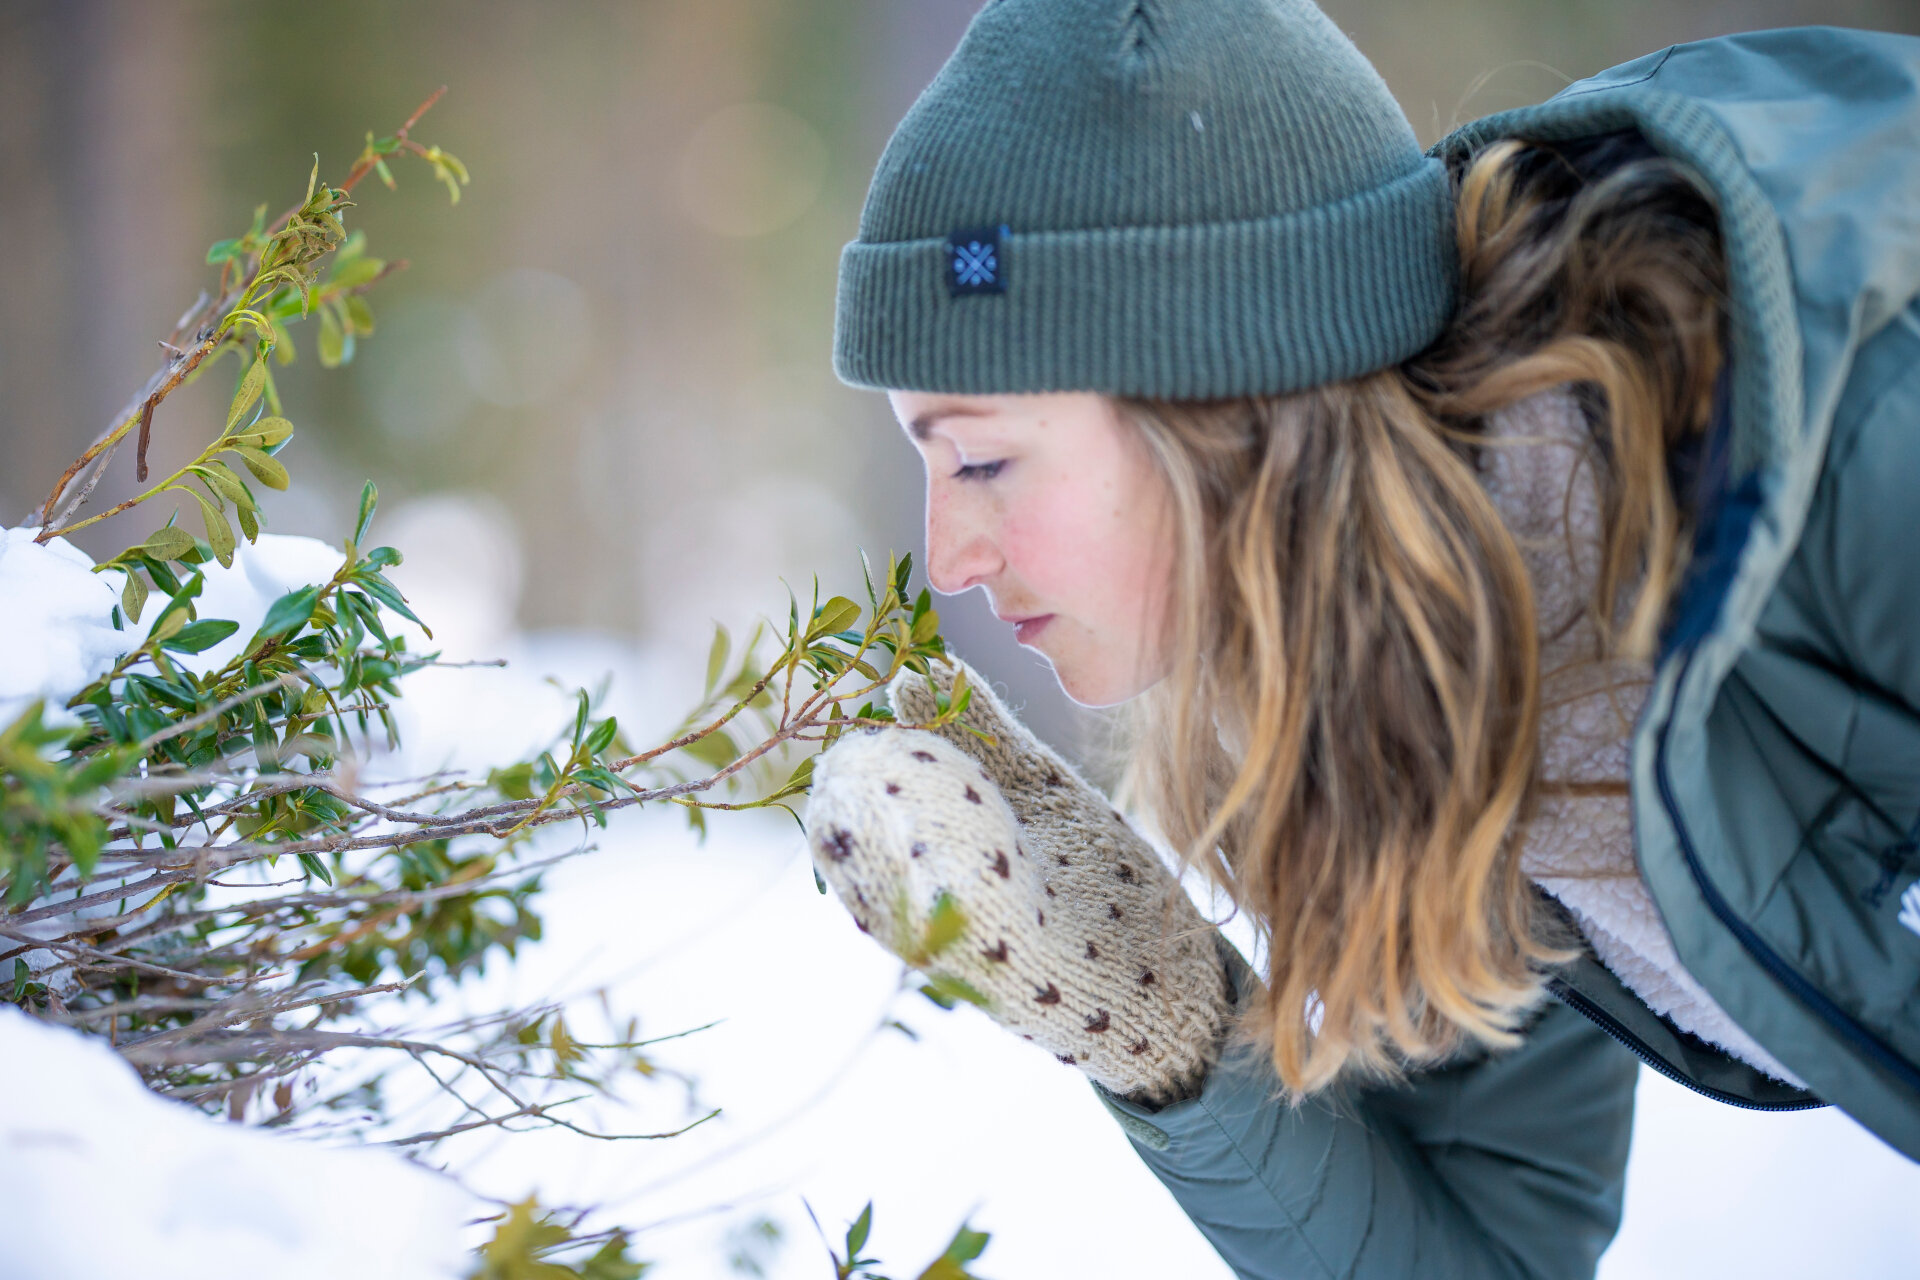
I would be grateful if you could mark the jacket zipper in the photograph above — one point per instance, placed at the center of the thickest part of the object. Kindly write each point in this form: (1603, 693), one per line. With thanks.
(1755, 946)
(1638, 1048)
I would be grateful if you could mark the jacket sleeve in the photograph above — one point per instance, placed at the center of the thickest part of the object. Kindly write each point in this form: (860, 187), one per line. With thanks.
(1507, 1166)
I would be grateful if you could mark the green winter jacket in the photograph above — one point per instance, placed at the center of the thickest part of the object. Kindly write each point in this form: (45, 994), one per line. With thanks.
(1776, 766)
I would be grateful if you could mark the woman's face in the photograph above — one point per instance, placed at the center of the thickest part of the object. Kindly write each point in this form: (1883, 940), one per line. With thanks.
(1052, 504)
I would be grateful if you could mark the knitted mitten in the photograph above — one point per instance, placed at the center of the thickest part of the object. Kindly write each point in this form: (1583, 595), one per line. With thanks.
(1075, 934)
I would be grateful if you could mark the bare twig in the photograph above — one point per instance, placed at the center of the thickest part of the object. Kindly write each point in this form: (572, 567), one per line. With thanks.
(546, 1113)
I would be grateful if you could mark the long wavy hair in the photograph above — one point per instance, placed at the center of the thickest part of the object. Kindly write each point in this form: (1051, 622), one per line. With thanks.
(1348, 736)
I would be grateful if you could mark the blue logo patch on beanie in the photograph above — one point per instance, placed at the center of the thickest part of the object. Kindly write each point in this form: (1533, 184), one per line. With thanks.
(975, 263)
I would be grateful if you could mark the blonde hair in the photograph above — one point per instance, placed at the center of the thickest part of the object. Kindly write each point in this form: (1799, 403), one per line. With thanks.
(1348, 734)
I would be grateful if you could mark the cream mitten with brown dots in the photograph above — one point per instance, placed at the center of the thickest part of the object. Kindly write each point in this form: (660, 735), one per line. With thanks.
(1074, 933)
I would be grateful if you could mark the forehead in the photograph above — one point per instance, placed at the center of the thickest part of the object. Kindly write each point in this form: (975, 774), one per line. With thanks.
(920, 412)
(923, 413)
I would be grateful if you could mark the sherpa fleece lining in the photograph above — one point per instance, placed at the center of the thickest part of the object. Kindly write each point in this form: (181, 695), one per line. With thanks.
(1579, 847)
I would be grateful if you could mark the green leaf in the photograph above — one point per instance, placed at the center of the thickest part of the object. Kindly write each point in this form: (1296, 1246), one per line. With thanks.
(717, 657)
(369, 498)
(251, 383)
(389, 595)
(799, 780)
(359, 314)
(582, 706)
(353, 272)
(602, 736)
(249, 524)
(926, 623)
(169, 543)
(289, 613)
(333, 340)
(716, 750)
(200, 636)
(611, 1262)
(133, 596)
(268, 432)
(836, 614)
(945, 925)
(316, 868)
(965, 1246)
(83, 834)
(219, 532)
(221, 479)
(266, 468)
(514, 782)
(858, 1232)
(947, 991)
(221, 250)
(171, 619)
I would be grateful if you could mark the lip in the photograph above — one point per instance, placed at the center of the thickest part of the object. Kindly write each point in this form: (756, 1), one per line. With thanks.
(1027, 628)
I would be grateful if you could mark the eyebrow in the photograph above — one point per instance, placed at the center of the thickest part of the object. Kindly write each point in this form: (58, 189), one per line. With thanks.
(922, 426)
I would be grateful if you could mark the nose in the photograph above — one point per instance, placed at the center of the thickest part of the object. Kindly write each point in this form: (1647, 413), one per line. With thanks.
(960, 547)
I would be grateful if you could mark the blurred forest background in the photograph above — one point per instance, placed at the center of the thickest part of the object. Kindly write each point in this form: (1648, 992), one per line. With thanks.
(605, 383)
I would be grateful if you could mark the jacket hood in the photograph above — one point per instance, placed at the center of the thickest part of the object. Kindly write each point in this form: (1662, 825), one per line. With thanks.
(1809, 139)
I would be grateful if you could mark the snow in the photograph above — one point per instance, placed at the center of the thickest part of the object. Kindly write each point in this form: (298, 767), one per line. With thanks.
(56, 623)
(101, 1178)
(969, 1123)
(965, 1124)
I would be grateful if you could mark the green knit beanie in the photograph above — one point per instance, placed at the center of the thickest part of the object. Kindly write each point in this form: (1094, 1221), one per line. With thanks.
(1180, 199)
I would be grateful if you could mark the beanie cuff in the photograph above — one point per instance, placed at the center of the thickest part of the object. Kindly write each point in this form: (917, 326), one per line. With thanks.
(1192, 312)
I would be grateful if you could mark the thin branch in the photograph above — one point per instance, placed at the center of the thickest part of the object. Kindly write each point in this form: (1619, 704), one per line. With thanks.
(245, 1008)
(79, 949)
(543, 1112)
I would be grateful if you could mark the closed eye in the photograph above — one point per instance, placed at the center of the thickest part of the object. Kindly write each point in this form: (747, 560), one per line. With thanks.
(980, 470)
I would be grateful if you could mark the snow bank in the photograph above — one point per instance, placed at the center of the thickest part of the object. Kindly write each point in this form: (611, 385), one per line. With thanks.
(102, 1179)
(56, 613)
(56, 622)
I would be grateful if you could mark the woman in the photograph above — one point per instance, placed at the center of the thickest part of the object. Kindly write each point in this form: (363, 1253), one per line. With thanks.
(1500, 548)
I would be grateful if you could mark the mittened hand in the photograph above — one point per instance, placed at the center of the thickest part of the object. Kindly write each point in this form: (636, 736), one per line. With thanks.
(993, 867)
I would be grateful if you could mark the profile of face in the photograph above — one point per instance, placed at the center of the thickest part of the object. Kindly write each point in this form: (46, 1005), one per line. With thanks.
(1053, 505)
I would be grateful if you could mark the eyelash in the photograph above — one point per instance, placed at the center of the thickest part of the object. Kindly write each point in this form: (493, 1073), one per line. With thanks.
(979, 470)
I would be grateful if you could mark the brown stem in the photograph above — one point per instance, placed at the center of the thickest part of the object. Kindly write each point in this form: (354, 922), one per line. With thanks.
(165, 381)
(695, 735)
(176, 373)
(362, 168)
(146, 436)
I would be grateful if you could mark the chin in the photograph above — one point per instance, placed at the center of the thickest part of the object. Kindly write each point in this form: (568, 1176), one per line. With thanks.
(1096, 689)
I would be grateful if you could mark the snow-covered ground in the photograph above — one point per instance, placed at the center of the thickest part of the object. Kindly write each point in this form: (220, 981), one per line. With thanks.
(971, 1123)
(966, 1123)
(100, 1178)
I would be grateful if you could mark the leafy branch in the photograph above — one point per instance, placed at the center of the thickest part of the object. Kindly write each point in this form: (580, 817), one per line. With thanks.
(269, 278)
(966, 1245)
(195, 866)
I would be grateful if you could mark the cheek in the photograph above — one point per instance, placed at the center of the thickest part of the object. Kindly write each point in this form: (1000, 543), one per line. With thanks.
(1081, 549)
